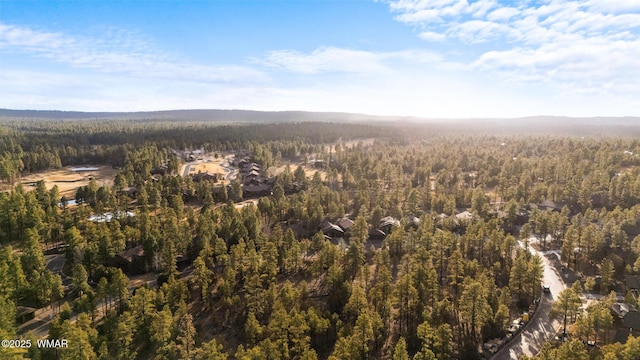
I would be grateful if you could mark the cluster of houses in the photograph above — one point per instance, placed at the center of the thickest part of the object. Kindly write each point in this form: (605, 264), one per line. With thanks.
(188, 155)
(108, 216)
(338, 232)
(254, 183)
(205, 176)
(626, 318)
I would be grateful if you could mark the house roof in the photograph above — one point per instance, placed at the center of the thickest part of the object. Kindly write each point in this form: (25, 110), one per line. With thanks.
(23, 310)
(389, 221)
(129, 254)
(632, 281)
(622, 309)
(253, 180)
(328, 226)
(632, 320)
(465, 215)
(249, 167)
(345, 223)
(376, 232)
(414, 220)
(256, 188)
(108, 216)
(621, 336)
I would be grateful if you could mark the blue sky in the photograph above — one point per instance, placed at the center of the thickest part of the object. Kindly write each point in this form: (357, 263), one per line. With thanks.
(431, 58)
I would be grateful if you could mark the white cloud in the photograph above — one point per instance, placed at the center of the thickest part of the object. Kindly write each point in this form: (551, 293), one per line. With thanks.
(339, 60)
(328, 59)
(480, 8)
(432, 36)
(115, 51)
(429, 15)
(615, 6)
(504, 13)
(478, 31)
(588, 46)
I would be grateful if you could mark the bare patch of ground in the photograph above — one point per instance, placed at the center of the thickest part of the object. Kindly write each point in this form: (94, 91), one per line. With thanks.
(139, 280)
(69, 181)
(211, 167)
(242, 204)
(211, 164)
(309, 171)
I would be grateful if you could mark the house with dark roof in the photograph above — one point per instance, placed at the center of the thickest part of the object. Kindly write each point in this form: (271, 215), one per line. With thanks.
(621, 309)
(413, 221)
(632, 283)
(318, 163)
(345, 223)
(376, 234)
(387, 224)
(252, 173)
(464, 216)
(240, 162)
(256, 190)
(163, 170)
(332, 230)
(203, 176)
(24, 314)
(626, 321)
(376, 237)
(248, 167)
(252, 177)
(131, 261)
(631, 320)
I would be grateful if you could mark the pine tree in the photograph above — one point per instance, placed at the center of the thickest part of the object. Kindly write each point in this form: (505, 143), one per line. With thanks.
(566, 306)
(185, 336)
(211, 351)
(400, 350)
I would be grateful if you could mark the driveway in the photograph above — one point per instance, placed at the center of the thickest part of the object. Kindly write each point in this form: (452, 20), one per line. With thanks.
(55, 263)
(541, 327)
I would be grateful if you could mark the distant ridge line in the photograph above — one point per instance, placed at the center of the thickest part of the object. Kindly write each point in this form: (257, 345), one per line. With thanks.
(233, 115)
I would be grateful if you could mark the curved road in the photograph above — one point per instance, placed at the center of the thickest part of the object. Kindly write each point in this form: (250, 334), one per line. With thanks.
(541, 327)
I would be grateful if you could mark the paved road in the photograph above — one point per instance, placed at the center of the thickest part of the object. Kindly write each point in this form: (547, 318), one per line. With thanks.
(55, 263)
(187, 167)
(540, 328)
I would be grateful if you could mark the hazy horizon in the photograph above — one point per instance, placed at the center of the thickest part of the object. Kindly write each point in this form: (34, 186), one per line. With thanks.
(267, 116)
(453, 59)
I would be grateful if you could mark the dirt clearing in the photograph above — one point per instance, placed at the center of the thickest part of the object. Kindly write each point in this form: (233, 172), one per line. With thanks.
(69, 181)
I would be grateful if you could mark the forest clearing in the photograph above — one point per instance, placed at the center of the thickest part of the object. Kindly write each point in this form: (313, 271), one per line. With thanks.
(67, 180)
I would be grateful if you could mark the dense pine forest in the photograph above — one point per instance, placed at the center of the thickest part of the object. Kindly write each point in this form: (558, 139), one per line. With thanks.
(384, 241)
